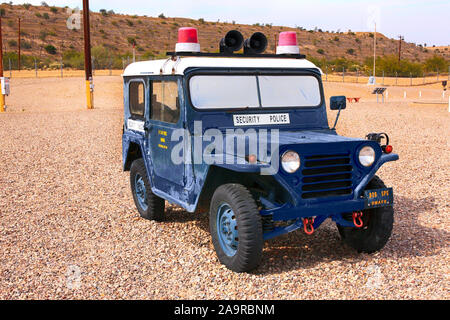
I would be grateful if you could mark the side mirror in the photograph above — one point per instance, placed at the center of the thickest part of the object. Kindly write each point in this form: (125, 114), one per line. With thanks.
(338, 103)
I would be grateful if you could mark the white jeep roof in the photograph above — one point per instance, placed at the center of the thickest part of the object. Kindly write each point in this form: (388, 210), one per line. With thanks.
(178, 67)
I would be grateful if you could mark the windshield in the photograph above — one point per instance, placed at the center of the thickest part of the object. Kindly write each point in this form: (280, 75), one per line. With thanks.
(265, 91)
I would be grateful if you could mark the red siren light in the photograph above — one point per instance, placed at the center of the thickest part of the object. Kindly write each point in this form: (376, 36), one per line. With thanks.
(287, 43)
(187, 40)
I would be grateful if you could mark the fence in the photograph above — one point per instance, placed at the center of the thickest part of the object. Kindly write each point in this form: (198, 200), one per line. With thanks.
(357, 77)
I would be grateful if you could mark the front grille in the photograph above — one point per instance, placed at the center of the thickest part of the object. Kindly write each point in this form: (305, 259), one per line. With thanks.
(327, 176)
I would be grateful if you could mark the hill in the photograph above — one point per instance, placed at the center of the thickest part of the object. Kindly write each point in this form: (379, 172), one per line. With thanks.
(45, 36)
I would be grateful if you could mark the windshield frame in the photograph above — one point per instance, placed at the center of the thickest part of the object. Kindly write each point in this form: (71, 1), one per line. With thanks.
(254, 72)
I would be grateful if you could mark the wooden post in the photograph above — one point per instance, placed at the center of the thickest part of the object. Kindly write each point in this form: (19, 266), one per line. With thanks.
(87, 56)
(2, 97)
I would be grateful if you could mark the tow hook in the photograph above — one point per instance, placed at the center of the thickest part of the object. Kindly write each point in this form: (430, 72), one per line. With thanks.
(308, 225)
(357, 219)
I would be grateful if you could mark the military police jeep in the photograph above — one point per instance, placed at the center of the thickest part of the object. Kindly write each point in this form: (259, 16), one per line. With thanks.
(245, 137)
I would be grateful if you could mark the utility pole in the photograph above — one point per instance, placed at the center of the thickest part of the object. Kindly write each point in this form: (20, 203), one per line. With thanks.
(401, 38)
(2, 97)
(375, 51)
(18, 61)
(87, 56)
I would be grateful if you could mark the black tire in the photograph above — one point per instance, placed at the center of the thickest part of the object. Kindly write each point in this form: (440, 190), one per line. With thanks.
(377, 229)
(250, 235)
(155, 205)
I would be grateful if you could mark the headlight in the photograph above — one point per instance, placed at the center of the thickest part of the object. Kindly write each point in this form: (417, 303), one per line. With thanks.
(367, 156)
(290, 161)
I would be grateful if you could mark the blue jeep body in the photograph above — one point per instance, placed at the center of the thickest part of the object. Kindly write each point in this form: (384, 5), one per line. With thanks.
(330, 182)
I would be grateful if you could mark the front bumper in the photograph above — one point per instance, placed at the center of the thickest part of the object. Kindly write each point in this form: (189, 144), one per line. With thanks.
(322, 209)
(304, 209)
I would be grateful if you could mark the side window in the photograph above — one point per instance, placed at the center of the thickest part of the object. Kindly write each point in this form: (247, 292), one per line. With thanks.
(137, 99)
(165, 104)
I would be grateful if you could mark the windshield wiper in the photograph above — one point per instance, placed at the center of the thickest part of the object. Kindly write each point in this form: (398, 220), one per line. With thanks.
(238, 109)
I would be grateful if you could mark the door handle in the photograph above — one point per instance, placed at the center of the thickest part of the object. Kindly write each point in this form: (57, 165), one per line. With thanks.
(148, 128)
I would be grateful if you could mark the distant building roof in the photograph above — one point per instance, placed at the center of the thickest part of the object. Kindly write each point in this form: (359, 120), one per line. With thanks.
(155, 66)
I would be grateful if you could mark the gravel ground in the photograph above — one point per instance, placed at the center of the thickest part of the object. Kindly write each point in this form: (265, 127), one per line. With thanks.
(69, 228)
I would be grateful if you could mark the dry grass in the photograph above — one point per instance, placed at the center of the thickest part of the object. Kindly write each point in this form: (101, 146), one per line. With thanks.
(66, 210)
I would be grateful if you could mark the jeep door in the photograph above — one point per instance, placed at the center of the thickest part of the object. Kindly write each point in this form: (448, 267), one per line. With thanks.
(165, 117)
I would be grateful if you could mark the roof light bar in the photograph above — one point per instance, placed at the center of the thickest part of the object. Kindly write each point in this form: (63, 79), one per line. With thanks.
(187, 40)
(287, 43)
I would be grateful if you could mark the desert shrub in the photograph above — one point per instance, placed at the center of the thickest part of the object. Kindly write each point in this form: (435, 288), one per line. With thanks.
(73, 59)
(26, 6)
(436, 63)
(26, 45)
(26, 61)
(351, 51)
(46, 16)
(129, 22)
(320, 51)
(391, 66)
(12, 43)
(162, 16)
(132, 41)
(43, 35)
(101, 57)
(50, 49)
(54, 10)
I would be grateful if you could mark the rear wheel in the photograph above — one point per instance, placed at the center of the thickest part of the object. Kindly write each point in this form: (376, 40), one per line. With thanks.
(377, 228)
(150, 206)
(236, 228)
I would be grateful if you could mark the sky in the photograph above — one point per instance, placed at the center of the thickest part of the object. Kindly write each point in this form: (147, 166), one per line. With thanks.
(420, 22)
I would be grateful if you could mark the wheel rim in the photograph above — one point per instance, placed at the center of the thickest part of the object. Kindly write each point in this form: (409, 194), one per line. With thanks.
(227, 230)
(141, 192)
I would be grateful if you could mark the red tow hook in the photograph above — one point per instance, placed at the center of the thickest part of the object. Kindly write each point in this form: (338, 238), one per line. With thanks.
(357, 219)
(308, 225)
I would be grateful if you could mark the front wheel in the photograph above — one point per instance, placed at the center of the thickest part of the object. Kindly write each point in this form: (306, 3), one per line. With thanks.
(236, 228)
(377, 227)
